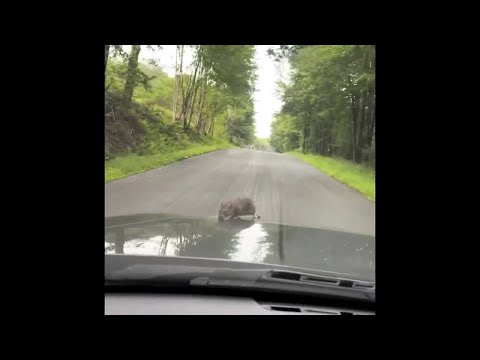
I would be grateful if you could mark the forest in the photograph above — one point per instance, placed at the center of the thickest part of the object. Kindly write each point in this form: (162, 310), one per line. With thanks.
(329, 102)
(149, 112)
(152, 118)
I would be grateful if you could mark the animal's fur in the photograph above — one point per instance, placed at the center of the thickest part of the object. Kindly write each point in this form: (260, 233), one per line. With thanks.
(233, 209)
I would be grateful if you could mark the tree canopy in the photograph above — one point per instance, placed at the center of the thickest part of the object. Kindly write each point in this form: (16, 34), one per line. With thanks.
(213, 99)
(329, 105)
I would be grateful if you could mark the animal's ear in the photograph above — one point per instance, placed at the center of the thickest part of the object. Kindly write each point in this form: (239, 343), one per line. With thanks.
(230, 206)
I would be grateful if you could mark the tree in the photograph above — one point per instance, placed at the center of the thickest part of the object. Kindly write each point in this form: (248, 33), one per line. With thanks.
(213, 99)
(239, 126)
(131, 76)
(231, 71)
(284, 51)
(330, 101)
(221, 82)
(107, 50)
(284, 136)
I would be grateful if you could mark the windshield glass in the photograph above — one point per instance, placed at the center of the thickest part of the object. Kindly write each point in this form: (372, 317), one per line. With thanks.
(259, 154)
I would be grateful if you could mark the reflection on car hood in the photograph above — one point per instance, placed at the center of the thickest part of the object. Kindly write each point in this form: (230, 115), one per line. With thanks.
(241, 240)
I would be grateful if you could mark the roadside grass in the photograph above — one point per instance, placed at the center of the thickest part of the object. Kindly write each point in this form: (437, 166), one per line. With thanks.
(358, 177)
(131, 164)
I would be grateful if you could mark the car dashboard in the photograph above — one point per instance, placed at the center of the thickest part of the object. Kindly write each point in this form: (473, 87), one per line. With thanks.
(201, 304)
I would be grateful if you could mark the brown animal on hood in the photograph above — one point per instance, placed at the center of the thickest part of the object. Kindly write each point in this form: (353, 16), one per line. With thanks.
(235, 208)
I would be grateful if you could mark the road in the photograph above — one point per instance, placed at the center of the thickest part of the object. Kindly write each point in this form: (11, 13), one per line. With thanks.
(285, 190)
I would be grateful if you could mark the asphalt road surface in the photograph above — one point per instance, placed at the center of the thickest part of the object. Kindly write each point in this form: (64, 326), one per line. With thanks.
(285, 190)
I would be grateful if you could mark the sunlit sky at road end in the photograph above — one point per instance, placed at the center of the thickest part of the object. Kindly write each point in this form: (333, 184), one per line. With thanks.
(266, 98)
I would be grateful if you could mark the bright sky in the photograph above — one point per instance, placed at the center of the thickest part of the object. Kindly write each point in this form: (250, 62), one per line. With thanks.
(267, 101)
(266, 98)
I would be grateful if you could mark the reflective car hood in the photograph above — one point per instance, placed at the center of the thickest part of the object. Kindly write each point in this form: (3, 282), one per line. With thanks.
(241, 240)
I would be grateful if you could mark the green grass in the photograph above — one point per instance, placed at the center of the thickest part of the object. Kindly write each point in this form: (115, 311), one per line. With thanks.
(356, 176)
(133, 164)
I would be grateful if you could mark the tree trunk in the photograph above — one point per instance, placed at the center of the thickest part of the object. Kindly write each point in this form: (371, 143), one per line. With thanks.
(191, 90)
(212, 120)
(307, 145)
(183, 114)
(361, 122)
(179, 85)
(202, 97)
(131, 75)
(317, 138)
(354, 119)
(107, 50)
(320, 145)
(370, 121)
(304, 137)
(354, 116)
(212, 123)
(187, 92)
(176, 86)
(364, 97)
(195, 89)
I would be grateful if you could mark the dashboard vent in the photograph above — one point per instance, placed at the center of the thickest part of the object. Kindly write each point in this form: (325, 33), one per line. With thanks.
(295, 309)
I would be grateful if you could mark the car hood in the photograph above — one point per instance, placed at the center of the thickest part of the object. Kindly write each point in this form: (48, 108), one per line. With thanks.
(241, 240)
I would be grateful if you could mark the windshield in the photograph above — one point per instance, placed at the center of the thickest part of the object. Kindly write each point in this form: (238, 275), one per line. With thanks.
(258, 154)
